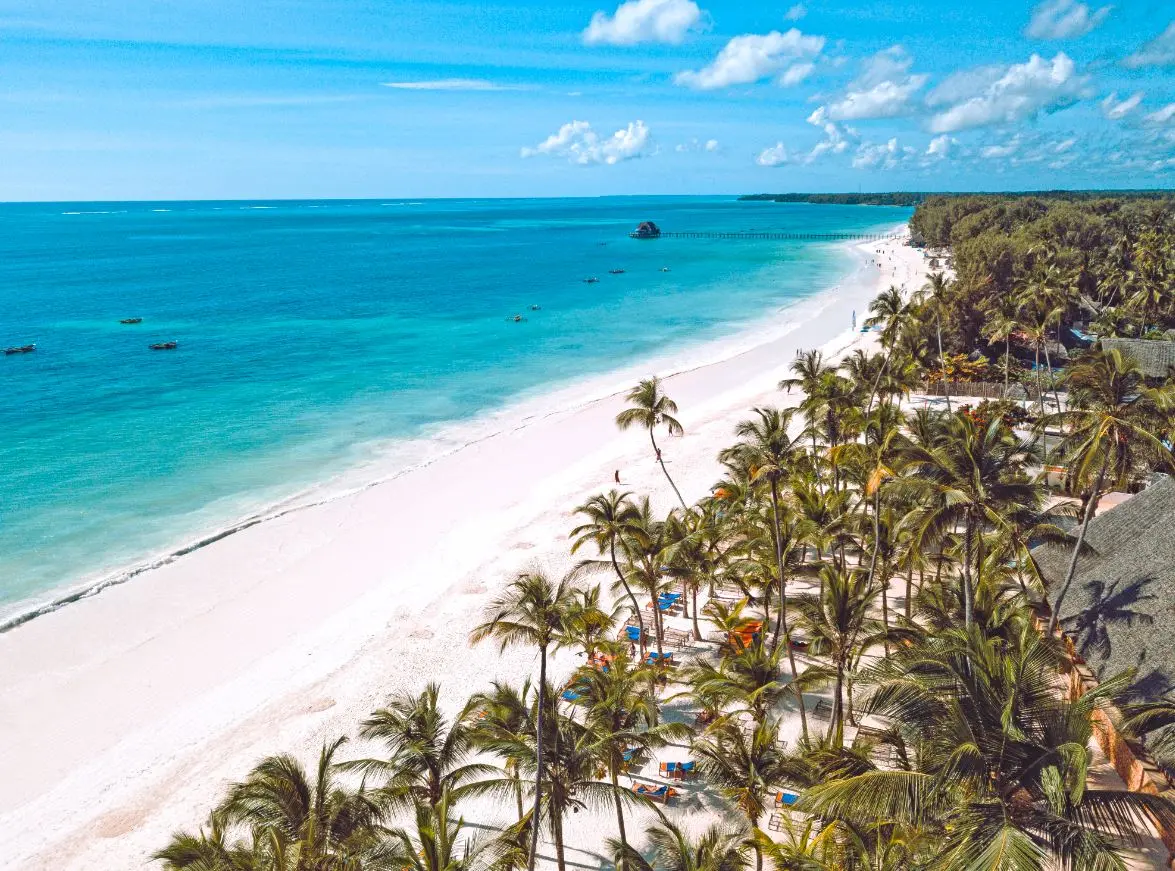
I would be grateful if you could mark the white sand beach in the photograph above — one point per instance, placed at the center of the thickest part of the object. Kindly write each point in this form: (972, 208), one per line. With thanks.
(124, 716)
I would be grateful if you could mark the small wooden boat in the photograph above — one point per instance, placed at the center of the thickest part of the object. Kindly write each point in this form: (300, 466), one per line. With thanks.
(592, 280)
(535, 308)
(20, 349)
(664, 268)
(131, 321)
(615, 271)
(164, 346)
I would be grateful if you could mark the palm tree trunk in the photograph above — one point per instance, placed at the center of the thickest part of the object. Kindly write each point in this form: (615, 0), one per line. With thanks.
(1056, 394)
(661, 462)
(910, 586)
(636, 607)
(877, 380)
(557, 831)
(967, 532)
(694, 618)
(942, 361)
(781, 616)
(1090, 507)
(1007, 362)
(517, 791)
(538, 773)
(1036, 373)
(837, 727)
(620, 818)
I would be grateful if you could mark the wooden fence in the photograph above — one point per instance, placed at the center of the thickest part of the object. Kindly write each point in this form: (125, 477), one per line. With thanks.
(982, 390)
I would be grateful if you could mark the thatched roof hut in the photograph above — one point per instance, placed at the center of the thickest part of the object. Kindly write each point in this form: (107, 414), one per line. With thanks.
(1120, 609)
(1156, 357)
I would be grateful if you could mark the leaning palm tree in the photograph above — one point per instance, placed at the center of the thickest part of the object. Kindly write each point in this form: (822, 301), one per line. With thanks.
(427, 754)
(1109, 435)
(435, 841)
(533, 611)
(650, 408)
(611, 519)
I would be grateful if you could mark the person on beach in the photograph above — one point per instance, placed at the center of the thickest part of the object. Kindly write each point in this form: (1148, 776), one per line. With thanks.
(617, 476)
(658, 455)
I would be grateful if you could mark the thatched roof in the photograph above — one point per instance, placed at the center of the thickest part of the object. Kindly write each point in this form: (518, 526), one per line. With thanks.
(1120, 610)
(1156, 357)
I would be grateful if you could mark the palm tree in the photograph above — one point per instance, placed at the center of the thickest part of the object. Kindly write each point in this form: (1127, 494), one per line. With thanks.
(743, 767)
(841, 629)
(889, 311)
(435, 842)
(651, 408)
(717, 849)
(611, 519)
(1109, 435)
(532, 611)
(969, 477)
(768, 450)
(743, 676)
(427, 755)
(620, 717)
(933, 295)
(500, 721)
(996, 762)
(313, 820)
(212, 851)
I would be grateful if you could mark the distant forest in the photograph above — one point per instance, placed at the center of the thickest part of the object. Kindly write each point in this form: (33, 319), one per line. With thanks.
(914, 198)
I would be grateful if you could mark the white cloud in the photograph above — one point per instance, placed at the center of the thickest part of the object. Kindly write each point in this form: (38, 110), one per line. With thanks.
(1162, 116)
(751, 57)
(451, 85)
(836, 138)
(580, 144)
(1159, 52)
(993, 96)
(1064, 145)
(1115, 110)
(887, 155)
(883, 89)
(796, 73)
(1063, 19)
(796, 12)
(939, 147)
(710, 146)
(640, 21)
(999, 152)
(776, 155)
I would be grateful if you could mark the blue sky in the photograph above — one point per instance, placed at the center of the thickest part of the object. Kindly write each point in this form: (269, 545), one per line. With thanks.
(146, 99)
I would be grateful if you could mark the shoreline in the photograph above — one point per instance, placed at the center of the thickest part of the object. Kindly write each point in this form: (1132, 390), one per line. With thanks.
(442, 440)
(298, 627)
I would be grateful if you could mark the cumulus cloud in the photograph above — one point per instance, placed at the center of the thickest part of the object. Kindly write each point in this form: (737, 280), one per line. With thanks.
(883, 89)
(796, 73)
(1115, 110)
(451, 85)
(836, 138)
(751, 57)
(580, 144)
(1159, 52)
(1005, 95)
(1063, 19)
(796, 12)
(1162, 116)
(939, 147)
(640, 21)
(776, 155)
(886, 155)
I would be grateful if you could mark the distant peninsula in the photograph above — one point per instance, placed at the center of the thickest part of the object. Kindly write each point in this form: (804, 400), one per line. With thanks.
(914, 198)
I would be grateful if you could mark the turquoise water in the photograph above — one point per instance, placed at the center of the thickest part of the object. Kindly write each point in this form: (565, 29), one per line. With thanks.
(314, 334)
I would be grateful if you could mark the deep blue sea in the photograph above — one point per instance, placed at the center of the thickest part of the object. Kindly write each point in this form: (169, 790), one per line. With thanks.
(315, 336)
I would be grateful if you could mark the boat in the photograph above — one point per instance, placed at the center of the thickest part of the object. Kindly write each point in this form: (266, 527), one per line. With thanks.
(164, 346)
(664, 268)
(131, 321)
(592, 280)
(516, 319)
(535, 308)
(615, 271)
(20, 349)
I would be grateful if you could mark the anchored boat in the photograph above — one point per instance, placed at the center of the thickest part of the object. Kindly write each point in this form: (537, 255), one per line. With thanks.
(20, 349)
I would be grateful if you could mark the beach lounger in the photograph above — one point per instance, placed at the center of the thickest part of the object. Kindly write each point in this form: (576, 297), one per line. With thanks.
(786, 799)
(678, 770)
(678, 637)
(665, 658)
(660, 794)
(775, 823)
(822, 711)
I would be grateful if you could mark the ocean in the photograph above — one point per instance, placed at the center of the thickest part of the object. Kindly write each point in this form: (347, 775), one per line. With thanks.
(322, 344)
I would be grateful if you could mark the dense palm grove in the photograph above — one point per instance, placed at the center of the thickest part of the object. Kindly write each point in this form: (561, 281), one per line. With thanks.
(861, 568)
(1033, 267)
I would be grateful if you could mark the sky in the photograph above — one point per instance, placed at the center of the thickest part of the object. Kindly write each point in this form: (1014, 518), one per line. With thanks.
(220, 99)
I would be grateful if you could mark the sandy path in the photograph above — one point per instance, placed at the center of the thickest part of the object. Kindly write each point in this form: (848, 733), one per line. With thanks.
(122, 717)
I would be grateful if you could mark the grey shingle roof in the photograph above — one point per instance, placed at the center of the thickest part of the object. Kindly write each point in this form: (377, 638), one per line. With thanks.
(1157, 358)
(1120, 609)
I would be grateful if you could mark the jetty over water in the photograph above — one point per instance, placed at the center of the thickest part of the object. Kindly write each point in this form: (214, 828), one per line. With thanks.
(754, 234)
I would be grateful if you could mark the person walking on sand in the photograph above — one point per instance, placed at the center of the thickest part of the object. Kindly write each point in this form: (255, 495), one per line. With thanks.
(658, 455)
(616, 476)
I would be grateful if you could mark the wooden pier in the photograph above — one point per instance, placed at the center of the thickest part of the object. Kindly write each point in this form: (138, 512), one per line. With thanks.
(752, 234)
